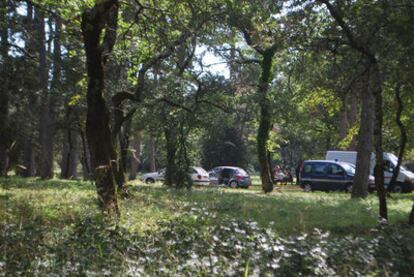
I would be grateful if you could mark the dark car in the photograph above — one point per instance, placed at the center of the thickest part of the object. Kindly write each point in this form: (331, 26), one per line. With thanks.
(230, 176)
(326, 176)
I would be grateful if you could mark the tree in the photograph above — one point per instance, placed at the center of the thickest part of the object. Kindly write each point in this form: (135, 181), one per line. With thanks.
(375, 85)
(263, 34)
(101, 19)
(4, 91)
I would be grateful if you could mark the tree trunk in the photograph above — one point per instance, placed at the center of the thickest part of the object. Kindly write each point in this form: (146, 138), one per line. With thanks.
(45, 124)
(403, 139)
(364, 147)
(69, 154)
(171, 145)
(135, 159)
(411, 218)
(85, 159)
(379, 159)
(101, 146)
(264, 120)
(151, 154)
(29, 161)
(123, 143)
(4, 90)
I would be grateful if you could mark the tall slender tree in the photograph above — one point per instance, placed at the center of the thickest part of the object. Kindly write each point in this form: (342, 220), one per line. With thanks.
(4, 89)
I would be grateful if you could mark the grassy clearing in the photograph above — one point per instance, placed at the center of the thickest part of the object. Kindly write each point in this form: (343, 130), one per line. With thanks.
(55, 228)
(61, 203)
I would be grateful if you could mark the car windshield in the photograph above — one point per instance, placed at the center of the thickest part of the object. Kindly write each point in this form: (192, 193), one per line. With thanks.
(394, 160)
(349, 168)
(241, 171)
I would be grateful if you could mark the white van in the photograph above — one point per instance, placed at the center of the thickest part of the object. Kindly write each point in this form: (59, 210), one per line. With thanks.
(405, 179)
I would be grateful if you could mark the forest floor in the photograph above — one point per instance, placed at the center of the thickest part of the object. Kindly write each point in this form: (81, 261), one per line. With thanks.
(55, 227)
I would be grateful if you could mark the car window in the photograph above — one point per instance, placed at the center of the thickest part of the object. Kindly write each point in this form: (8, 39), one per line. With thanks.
(241, 171)
(336, 170)
(226, 173)
(319, 169)
(388, 166)
(307, 168)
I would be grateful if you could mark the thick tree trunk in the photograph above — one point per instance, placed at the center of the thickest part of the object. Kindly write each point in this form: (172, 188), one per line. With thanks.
(264, 120)
(4, 90)
(45, 135)
(364, 147)
(379, 159)
(403, 138)
(135, 158)
(101, 146)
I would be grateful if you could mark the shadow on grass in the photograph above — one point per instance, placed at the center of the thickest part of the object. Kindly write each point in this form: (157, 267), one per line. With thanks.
(38, 184)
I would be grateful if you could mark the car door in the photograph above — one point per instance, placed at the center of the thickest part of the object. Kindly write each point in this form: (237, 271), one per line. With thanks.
(214, 176)
(319, 176)
(225, 176)
(336, 177)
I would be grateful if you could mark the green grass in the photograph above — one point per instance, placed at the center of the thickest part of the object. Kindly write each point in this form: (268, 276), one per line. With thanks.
(61, 203)
(55, 228)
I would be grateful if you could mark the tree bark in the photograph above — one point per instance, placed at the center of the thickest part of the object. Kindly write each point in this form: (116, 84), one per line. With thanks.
(135, 158)
(365, 141)
(69, 154)
(403, 138)
(379, 159)
(171, 144)
(103, 16)
(85, 159)
(45, 124)
(264, 120)
(411, 218)
(4, 90)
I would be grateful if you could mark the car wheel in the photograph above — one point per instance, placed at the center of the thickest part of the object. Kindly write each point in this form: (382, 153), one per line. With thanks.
(397, 188)
(307, 188)
(149, 181)
(233, 184)
(348, 188)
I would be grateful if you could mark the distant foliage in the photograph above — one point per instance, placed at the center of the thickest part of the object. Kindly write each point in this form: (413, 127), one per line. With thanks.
(224, 147)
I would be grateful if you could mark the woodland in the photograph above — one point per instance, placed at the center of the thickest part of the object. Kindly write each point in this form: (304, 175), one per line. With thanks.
(95, 93)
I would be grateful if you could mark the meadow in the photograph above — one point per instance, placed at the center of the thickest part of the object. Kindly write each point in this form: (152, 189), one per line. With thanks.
(55, 227)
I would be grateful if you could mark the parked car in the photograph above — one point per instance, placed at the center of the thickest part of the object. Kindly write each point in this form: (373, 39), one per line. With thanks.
(197, 174)
(153, 177)
(405, 179)
(230, 176)
(326, 176)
